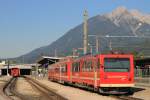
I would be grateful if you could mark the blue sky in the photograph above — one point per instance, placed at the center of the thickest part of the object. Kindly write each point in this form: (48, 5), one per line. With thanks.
(29, 24)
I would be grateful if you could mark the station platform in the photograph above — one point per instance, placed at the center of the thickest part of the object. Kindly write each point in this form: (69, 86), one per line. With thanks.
(143, 82)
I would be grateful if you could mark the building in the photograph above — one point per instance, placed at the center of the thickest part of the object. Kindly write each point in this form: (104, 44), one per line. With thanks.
(24, 69)
(2, 62)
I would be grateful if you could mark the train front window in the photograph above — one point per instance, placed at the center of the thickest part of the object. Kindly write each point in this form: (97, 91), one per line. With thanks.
(116, 65)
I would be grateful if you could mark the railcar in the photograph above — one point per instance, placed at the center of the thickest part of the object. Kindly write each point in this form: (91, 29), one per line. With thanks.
(83, 70)
(15, 72)
(105, 73)
(116, 74)
(61, 71)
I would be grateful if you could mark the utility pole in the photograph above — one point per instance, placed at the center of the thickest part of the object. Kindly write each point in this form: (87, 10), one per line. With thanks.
(85, 35)
(55, 52)
(96, 41)
(97, 44)
(74, 52)
(8, 68)
(91, 49)
(37, 71)
(110, 45)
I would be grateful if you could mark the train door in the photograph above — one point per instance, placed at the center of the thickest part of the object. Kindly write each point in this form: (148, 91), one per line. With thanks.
(76, 71)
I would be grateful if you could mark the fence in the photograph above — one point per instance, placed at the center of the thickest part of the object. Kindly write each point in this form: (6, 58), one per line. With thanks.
(142, 76)
(144, 72)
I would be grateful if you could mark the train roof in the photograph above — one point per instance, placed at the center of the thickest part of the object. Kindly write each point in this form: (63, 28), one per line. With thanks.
(107, 54)
(89, 56)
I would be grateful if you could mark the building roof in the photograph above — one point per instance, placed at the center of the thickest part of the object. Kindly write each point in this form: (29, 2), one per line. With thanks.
(16, 66)
(46, 59)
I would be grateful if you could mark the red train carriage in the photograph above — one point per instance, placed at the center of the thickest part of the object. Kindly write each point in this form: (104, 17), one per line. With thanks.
(83, 70)
(106, 73)
(15, 72)
(60, 71)
(116, 73)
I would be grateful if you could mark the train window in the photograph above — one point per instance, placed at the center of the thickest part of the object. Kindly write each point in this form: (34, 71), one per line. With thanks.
(116, 64)
(76, 67)
(63, 68)
(66, 67)
(87, 66)
(94, 65)
(84, 66)
(56, 69)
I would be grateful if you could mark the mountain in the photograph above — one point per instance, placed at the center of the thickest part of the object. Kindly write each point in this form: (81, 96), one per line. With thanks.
(120, 22)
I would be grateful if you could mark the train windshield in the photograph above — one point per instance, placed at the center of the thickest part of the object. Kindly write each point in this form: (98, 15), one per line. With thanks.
(116, 64)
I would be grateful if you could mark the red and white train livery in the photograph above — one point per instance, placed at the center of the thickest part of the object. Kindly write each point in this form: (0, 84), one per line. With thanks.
(106, 73)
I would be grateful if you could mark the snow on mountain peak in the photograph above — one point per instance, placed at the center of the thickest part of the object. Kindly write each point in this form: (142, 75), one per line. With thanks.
(145, 18)
(121, 12)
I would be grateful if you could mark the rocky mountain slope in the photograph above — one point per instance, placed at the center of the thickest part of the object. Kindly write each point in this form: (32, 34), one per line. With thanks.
(120, 22)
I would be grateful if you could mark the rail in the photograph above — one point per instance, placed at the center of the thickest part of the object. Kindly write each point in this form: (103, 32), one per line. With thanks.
(48, 94)
(45, 92)
(9, 89)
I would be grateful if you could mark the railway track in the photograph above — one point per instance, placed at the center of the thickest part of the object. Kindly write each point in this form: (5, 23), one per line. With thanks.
(45, 93)
(9, 89)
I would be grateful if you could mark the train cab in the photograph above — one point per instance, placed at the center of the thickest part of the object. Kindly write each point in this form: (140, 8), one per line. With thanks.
(116, 73)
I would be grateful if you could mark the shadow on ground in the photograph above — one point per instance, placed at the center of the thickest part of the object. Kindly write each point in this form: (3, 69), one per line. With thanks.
(135, 89)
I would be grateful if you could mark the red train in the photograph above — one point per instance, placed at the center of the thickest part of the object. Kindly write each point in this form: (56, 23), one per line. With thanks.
(15, 72)
(105, 73)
